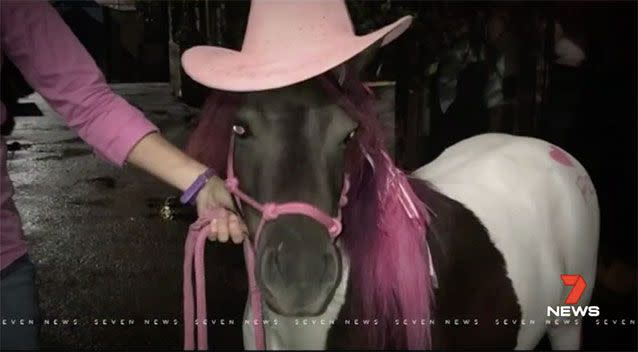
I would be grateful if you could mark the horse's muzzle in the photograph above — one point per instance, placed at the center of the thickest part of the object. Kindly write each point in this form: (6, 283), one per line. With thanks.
(299, 282)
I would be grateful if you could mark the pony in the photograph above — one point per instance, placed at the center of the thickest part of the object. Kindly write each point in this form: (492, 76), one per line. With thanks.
(464, 252)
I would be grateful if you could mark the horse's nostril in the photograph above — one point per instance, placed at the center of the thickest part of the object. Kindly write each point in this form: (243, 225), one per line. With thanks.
(271, 270)
(279, 264)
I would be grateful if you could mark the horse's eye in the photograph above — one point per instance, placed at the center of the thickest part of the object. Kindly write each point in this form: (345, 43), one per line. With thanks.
(240, 130)
(349, 136)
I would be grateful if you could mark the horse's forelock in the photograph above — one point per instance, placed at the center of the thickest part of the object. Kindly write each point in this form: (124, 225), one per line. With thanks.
(209, 142)
(389, 274)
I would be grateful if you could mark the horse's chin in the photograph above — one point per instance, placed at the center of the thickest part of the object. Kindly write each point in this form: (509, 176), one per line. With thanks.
(282, 306)
(295, 304)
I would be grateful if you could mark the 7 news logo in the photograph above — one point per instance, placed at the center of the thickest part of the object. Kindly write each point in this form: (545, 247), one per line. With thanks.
(571, 309)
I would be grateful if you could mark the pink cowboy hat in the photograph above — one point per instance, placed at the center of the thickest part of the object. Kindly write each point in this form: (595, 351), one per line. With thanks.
(286, 42)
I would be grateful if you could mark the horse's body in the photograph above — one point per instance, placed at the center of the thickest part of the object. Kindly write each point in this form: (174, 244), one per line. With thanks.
(541, 214)
(511, 211)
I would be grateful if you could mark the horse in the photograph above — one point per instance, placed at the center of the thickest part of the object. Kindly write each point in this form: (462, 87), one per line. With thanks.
(466, 251)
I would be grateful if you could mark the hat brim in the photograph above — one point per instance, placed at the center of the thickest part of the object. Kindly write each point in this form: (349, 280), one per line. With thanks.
(231, 70)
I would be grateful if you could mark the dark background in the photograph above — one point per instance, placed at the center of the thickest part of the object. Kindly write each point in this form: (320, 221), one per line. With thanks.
(590, 110)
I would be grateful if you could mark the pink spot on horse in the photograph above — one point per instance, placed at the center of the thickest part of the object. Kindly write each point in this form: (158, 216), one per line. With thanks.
(560, 156)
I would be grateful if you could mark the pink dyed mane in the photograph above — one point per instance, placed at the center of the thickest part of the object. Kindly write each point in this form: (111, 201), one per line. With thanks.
(389, 273)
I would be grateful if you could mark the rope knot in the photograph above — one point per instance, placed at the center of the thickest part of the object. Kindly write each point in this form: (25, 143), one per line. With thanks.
(270, 211)
(232, 184)
(335, 228)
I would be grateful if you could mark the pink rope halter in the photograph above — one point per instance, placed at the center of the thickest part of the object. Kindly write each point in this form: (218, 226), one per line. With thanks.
(194, 251)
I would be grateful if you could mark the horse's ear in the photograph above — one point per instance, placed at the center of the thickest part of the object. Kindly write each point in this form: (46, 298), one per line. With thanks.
(357, 64)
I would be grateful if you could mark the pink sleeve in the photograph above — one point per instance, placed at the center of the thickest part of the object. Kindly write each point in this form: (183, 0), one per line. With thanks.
(56, 65)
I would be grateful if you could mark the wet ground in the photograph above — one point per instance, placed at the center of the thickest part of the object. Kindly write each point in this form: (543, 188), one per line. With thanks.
(95, 235)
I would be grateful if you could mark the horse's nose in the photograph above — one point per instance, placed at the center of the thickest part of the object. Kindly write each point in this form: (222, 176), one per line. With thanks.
(299, 281)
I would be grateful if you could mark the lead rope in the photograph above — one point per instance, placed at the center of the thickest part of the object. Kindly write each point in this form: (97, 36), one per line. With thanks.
(194, 254)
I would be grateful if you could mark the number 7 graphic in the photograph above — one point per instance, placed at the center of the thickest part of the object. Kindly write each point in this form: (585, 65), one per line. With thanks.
(578, 288)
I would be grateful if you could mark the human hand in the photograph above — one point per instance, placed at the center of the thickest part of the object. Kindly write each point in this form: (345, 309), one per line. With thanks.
(226, 223)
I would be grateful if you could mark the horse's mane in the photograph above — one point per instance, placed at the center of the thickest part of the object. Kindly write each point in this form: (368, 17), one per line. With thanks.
(388, 261)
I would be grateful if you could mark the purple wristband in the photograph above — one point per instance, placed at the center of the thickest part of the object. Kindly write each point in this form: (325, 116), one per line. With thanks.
(190, 194)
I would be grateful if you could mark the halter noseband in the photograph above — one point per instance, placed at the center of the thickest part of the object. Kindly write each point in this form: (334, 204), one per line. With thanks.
(195, 249)
(270, 211)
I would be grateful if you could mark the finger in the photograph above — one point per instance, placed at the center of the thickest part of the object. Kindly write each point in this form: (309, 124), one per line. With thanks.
(236, 233)
(213, 230)
(222, 227)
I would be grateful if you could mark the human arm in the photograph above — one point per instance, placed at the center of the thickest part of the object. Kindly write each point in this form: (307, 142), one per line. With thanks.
(56, 65)
(158, 157)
